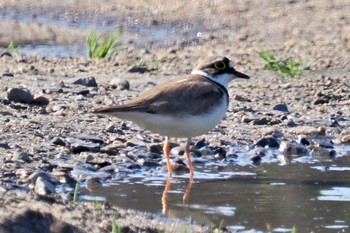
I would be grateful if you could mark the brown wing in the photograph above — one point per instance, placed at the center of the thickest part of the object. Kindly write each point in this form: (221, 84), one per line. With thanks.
(191, 96)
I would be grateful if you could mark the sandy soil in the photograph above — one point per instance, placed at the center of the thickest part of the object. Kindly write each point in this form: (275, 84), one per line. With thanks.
(315, 32)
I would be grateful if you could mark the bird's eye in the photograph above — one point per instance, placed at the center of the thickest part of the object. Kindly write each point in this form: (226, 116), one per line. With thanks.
(220, 65)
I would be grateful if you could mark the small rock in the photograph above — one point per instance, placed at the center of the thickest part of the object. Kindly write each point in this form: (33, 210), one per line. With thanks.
(7, 75)
(246, 119)
(322, 154)
(293, 148)
(82, 92)
(303, 140)
(58, 141)
(155, 148)
(110, 128)
(345, 139)
(78, 146)
(4, 145)
(44, 187)
(41, 100)
(178, 150)
(200, 143)
(44, 175)
(281, 107)
(4, 101)
(260, 121)
(135, 142)
(89, 137)
(88, 82)
(7, 54)
(22, 156)
(306, 130)
(120, 84)
(270, 142)
(20, 95)
(136, 69)
(110, 149)
(255, 155)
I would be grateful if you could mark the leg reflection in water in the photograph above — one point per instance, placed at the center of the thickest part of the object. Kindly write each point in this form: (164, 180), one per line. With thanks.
(167, 188)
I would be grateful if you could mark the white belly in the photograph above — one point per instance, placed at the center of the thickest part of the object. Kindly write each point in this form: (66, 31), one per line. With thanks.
(178, 126)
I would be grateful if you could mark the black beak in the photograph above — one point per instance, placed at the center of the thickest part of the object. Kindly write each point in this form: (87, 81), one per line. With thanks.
(239, 74)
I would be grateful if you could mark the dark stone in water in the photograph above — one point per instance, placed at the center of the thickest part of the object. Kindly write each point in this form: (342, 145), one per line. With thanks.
(179, 150)
(304, 141)
(156, 148)
(134, 166)
(221, 152)
(200, 143)
(150, 164)
(270, 142)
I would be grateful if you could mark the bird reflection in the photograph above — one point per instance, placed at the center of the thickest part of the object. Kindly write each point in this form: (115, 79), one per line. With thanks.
(167, 188)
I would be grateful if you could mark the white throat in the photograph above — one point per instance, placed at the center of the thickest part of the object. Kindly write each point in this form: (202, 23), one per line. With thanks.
(223, 79)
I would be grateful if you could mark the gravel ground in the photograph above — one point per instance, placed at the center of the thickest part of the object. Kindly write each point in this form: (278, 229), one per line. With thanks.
(47, 130)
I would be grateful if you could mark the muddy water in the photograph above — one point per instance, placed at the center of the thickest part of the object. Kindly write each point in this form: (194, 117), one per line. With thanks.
(310, 196)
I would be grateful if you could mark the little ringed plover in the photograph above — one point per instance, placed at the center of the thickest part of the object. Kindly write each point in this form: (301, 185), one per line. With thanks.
(185, 108)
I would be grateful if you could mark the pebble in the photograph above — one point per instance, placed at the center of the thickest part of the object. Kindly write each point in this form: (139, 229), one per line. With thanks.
(78, 146)
(322, 154)
(116, 83)
(89, 137)
(41, 100)
(110, 128)
(44, 175)
(293, 148)
(200, 143)
(20, 95)
(260, 121)
(22, 156)
(155, 148)
(44, 187)
(58, 141)
(270, 142)
(110, 149)
(281, 107)
(178, 150)
(306, 130)
(7, 75)
(4, 145)
(137, 69)
(88, 82)
(345, 139)
(135, 142)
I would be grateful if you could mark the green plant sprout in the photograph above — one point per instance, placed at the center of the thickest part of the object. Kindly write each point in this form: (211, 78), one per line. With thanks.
(75, 195)
(99, 46)
(115, 227)
(282, 67)
(11, 48)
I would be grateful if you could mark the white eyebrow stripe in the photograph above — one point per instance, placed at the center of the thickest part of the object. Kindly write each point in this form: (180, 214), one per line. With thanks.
(201, 73)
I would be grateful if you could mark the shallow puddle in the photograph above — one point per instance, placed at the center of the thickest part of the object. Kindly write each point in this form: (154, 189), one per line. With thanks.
(309, 196)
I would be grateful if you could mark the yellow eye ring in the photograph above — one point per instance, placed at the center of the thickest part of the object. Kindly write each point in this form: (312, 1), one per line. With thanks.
(220, 65)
